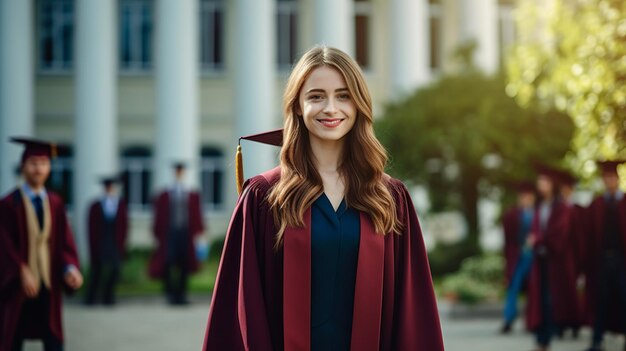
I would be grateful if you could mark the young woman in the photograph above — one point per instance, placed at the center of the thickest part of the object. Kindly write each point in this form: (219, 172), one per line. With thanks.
(325, 252)
(549, 239)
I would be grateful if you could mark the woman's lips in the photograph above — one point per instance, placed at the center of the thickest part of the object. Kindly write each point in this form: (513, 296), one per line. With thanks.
(330, 122)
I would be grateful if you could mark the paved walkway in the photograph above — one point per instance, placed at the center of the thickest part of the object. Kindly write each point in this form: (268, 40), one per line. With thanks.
(149, 324)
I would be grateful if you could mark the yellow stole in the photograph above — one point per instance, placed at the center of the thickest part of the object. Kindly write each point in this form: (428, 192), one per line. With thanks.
(38, 240)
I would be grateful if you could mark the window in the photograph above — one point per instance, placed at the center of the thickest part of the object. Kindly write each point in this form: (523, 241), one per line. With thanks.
(212, 34)
(212, 178)
(137, 177)
(136, 35)
(287, 30)
(56, 35)
(362, 15)
(61, 176)
(435, 24)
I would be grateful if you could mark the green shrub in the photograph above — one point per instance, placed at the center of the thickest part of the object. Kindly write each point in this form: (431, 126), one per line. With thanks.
(447, 258)
(479, 279)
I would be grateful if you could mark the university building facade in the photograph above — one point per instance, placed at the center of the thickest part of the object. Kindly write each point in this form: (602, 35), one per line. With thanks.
(133, 85)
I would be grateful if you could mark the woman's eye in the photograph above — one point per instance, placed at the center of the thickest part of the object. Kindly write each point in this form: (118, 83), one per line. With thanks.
(344, 97)
(315, 97)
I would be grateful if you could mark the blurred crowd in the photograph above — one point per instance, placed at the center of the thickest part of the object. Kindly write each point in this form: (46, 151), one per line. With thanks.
(568, 259)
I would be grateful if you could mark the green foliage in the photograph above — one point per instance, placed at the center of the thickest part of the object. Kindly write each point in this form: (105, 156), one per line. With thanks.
(571, 54)
(447, 258)
(479, 279)
(134, 279)
(443, 135)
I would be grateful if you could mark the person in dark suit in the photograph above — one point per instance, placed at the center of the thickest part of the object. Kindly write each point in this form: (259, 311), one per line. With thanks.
(177, 222)
(108, 230)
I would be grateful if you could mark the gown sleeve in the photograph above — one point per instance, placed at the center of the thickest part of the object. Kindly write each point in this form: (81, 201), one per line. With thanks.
(237, 316)
(417, 325)
(69, 252)
(10, 261)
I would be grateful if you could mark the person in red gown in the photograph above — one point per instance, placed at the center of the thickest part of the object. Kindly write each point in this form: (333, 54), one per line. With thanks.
(606, 262)
(38, 257)
(108, 230)
(324, 251)
(545, 309)
(572, 260)
(177, 222)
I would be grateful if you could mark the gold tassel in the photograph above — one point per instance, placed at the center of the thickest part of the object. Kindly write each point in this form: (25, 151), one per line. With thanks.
(239, 169)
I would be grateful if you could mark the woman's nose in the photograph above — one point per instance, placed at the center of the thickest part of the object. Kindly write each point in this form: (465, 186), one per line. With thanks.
(330, 107)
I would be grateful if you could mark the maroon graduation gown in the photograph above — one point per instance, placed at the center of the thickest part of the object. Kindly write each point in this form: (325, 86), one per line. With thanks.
(14, 253)
(262, 296)
(555, 239)
(161, 226)
(576, 257)
(512, 248)
(96, 226)
(594, 239)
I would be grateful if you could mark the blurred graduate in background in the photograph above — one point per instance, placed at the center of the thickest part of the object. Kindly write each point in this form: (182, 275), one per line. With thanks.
(38, 258)
(108, 230)
(177, 221)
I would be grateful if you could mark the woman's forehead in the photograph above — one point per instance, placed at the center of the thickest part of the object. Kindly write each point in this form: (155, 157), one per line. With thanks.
(324, 78)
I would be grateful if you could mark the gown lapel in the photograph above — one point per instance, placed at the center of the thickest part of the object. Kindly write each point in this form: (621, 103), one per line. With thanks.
(368, 292)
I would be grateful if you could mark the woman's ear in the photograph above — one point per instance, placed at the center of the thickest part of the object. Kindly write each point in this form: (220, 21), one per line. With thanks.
(297, 110)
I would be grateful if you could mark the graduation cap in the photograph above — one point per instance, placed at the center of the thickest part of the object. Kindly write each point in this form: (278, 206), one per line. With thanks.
(108, 181)
(566, 178)
(179, 165)
(551, 172)
(36, 147)
(273, 137)
(524, 187)
(609, 166)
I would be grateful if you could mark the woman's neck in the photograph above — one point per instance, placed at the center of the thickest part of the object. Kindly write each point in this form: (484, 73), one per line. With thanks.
(327, 155)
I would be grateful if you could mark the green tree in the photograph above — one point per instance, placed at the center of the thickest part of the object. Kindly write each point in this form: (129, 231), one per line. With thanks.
(571, 54)
(462, 134)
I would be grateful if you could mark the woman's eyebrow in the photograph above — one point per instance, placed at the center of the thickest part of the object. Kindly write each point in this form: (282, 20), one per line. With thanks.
(316, 90)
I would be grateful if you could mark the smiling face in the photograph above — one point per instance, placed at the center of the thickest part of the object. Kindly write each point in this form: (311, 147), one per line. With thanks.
(325, 104)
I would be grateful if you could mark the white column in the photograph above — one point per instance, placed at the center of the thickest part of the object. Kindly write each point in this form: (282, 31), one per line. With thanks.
(177, 121)
(16, 84)
(334, 24)
(255, 80)
(410, 46)
(479, 22)
(95, 146)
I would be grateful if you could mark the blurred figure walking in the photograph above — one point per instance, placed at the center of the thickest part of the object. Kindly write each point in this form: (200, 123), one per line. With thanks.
(177, 221)
(518, 254)
(572, 260)
(606, 265)
(108, 230)
(548, 239)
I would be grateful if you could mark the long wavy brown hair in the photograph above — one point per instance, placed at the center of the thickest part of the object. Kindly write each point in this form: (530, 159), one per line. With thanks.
(363, 162)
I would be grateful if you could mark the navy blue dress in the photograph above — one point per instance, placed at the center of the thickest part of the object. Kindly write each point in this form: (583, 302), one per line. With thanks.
(334, 254)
